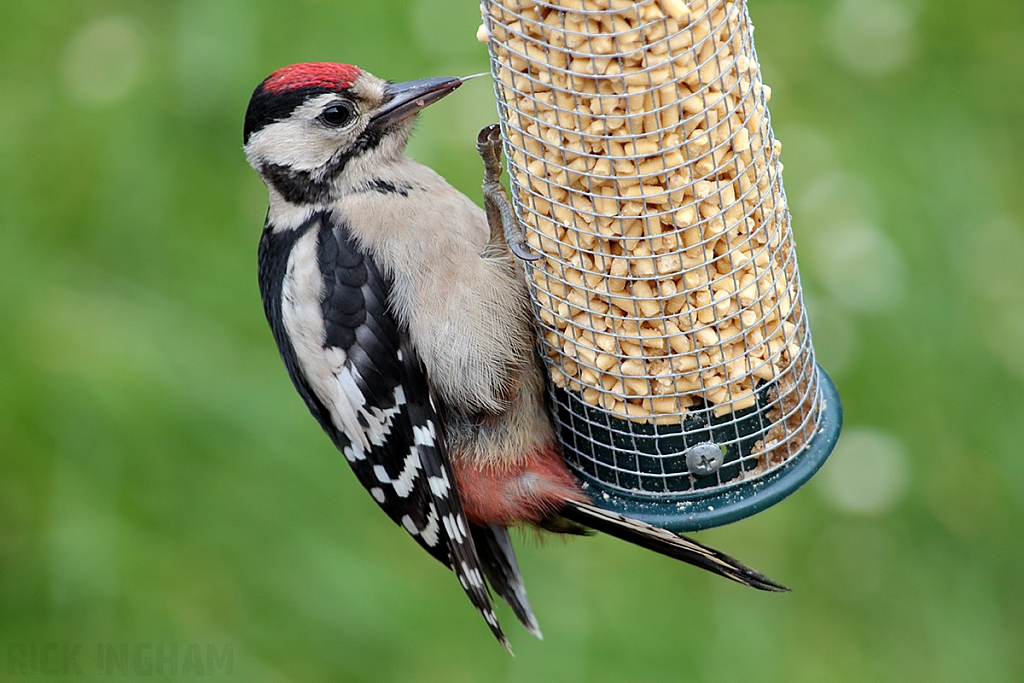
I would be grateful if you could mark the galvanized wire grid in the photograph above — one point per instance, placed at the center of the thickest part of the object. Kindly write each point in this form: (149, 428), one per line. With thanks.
(644, 168)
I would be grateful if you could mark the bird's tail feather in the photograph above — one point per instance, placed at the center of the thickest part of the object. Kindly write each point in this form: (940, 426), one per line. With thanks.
(667, 543)
(498, 560)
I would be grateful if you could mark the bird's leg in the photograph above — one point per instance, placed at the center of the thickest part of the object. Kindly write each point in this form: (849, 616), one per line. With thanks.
(500, 216)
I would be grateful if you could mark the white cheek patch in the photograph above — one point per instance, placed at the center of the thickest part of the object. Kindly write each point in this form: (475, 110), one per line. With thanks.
(296, 142)
(288, 143)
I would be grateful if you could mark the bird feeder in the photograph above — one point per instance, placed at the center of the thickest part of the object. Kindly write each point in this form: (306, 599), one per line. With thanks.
(667, 297)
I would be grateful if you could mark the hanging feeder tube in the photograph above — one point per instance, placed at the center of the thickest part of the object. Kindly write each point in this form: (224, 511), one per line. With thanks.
(644, 169)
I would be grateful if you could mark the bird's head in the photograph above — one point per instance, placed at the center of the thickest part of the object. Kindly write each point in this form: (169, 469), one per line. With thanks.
(306, 123)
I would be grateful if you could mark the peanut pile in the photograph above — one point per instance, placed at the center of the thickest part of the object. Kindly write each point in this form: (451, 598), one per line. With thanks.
(647, 176)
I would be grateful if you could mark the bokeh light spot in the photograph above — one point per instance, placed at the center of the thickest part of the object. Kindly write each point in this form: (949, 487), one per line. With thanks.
(102, 61)
(867, 474)
(861, 267)
(832, 198)
(872, 37)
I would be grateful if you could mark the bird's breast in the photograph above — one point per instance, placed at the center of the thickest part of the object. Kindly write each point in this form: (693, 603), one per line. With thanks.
(464, 311)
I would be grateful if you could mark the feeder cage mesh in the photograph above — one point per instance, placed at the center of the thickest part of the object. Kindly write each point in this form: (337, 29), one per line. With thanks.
(644, 170)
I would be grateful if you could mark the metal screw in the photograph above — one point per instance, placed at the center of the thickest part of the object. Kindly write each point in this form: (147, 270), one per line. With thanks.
(704, 458)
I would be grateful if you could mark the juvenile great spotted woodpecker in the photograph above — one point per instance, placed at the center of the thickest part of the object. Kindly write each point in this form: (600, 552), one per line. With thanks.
(401, 314)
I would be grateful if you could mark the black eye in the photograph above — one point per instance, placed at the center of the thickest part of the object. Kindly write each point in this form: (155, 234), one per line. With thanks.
(338, 114)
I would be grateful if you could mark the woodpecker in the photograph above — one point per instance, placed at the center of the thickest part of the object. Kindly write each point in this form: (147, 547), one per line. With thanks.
(401, 313)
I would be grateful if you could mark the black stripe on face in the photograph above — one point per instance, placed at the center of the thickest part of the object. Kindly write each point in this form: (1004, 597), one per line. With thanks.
(266, 107)
(315, 186)
(297, 187)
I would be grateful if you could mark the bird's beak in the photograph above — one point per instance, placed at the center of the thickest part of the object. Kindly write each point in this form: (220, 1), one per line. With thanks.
(406, 99)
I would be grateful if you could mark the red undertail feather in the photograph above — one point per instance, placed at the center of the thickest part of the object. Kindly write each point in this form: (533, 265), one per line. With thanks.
(505, 494)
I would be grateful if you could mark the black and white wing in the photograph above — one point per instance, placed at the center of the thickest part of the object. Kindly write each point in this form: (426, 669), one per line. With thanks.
(354, 366)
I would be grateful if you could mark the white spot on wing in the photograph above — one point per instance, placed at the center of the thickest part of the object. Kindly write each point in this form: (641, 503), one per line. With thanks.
(377, 422)
(429, 533)
(378, 494)
(346, 403)
(335, 356)
(472, 575)
(422, 436)
(406, 479)
(410, 525)
(452, 527)
(404, 483)
(439, 486)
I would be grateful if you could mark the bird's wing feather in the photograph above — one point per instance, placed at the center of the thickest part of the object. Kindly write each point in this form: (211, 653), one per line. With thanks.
(368, 389)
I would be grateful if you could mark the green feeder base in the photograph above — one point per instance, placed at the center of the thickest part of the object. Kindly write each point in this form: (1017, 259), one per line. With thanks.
(709, 508)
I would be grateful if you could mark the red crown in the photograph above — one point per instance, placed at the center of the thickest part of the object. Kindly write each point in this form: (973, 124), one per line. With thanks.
(312, 75)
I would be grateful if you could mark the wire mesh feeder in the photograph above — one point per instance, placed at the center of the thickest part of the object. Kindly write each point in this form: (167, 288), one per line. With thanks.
(644, 169)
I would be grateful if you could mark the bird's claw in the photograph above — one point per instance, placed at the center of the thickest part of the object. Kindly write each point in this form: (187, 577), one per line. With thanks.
(499, 209)
(523, 252)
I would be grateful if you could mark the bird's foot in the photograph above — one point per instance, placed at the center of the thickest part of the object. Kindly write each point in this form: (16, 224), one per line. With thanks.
(500, 216)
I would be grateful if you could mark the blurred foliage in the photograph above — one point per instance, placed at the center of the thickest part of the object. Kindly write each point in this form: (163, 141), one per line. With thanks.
(161, 483)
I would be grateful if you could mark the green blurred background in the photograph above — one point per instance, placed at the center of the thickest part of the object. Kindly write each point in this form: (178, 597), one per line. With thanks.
(161, 483)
